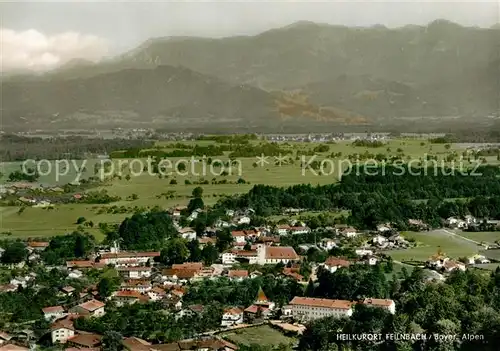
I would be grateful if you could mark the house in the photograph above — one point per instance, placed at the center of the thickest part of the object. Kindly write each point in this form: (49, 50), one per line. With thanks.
(349, 232)
(125, 256)
(450, 266)
(333, 263)
(453, 222)
(237, 274)
(91, 308)
(379, 240)
(283, 229)
(205, 241)
(382, 228)
(128, 297)
(308, 308)
(299, 230)
(232, 316)
(139, 285)
(179, 275)
(470, 220)
(386, 304)
(38, 245)
(363, 252)
(239, 236)
(134, 272)
(53, 312)
(68, 290)
(157, 293)
(228, 258)
(275, 254)
(417, 224)
(261, 306)
(62, 330)
(188, 233)
(85, 341)
(75, 274)
(327, 244)
(293, 273)
(477, 259)
(244, 220)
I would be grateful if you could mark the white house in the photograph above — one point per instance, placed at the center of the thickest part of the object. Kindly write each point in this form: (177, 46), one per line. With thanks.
(228, 258)
(53, 312)
(275, 254)
(348, 232)
(363, 252)
(61, 331)
(188, 233)
(126, 257)
(379, 240)
(387, 304)
(477, 259)
(134, 272)
(92, 308)
(327, 244)
(239, 236)
(333, 263)
(244, 220)
(232, 316)
(299, 230)
(283, 229)
(470, 219)
(308, 308)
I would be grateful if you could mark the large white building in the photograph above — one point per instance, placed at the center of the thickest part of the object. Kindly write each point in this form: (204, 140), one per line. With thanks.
(386, 304)
(232, 316)
(308, 308)
(275, 254)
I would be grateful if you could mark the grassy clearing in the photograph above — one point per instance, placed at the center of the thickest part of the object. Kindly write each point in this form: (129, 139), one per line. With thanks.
(263, 335)
(430, 242)
(487, 237)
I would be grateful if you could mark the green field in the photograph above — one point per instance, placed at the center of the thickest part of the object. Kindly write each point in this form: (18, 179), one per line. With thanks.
(149, 188)
(428, 243)
(487, 237)
(263, 336)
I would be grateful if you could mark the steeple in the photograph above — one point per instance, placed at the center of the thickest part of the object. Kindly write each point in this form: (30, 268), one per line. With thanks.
(261, 297)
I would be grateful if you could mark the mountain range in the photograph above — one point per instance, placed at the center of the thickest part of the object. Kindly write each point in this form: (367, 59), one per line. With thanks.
(305, 74)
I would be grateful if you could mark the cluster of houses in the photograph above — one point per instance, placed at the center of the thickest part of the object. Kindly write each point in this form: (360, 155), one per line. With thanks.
(36, 194)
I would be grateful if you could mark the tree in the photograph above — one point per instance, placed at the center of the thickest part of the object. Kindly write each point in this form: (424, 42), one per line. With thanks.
(175, 251)
(224, 239)
(80, 220)
(105, 287)
(194, 251)
(195, 203)
(15, 252)
(209, 254)
(112, 341)
(197, 192)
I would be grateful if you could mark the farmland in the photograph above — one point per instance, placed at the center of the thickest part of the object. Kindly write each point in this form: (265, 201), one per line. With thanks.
(428, 244)
(128, 178)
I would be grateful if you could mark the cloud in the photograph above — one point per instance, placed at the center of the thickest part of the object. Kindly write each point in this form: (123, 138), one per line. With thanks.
(33, 50)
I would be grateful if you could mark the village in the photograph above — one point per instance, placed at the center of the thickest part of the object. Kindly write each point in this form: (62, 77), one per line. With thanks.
(143, 279)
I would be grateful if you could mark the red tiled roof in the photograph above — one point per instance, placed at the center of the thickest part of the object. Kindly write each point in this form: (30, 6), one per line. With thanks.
(188, 265)
(53, 309)
(132, 294)
(38, 244)
(233, 310)
(255, 308)
(327, 303)
(336, 261)
(239, 273)
(130, 254)
(91, 305)
(87, 340)
(281, 252)
(79, 264)
(65, 323)
(238, 233)
(378, 302)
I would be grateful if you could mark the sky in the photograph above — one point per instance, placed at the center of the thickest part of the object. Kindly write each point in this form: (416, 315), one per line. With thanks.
(40, 35)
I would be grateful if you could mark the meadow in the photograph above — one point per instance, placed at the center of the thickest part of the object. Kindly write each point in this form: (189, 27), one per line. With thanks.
(263, 335)
(428, 244)
(127, 178)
